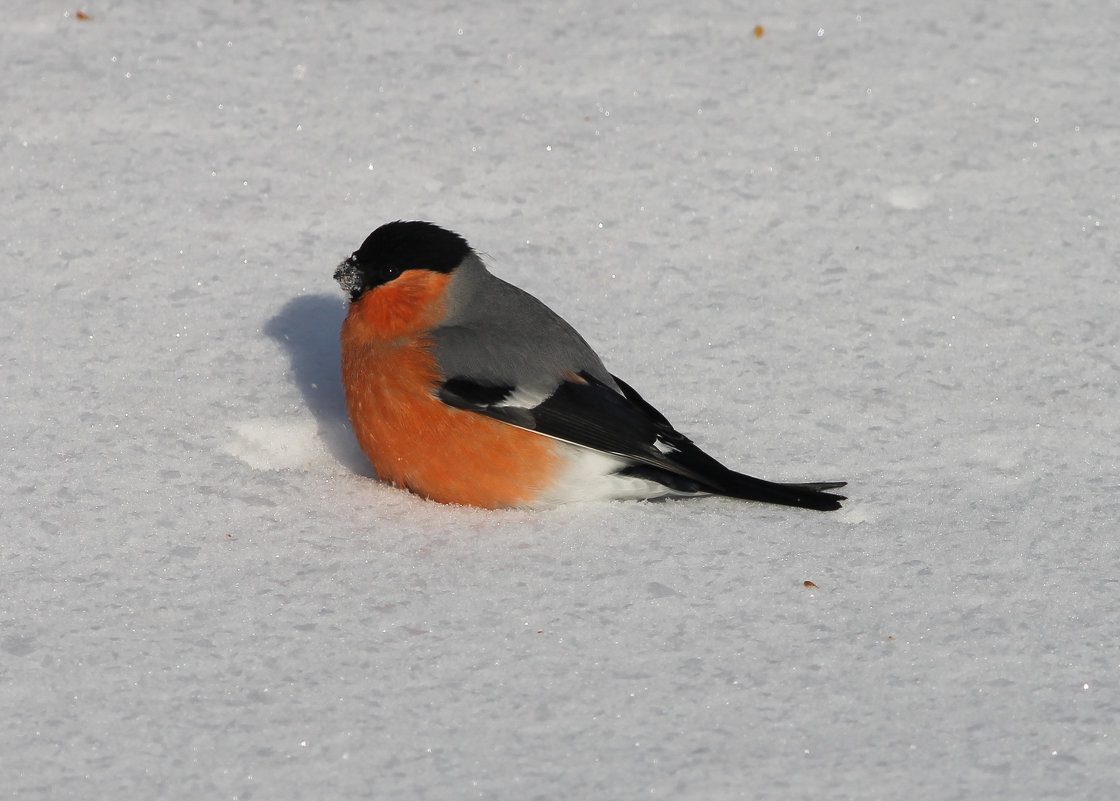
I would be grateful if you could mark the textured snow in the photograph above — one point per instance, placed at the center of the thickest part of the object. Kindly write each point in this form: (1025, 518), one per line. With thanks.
(875, 243)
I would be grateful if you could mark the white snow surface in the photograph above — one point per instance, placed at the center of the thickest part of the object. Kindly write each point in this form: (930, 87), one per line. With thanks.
(878, 243)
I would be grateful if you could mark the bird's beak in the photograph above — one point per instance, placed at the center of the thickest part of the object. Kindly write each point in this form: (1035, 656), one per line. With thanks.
(349, 278)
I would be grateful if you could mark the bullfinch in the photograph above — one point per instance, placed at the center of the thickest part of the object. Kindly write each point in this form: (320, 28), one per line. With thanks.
(467, 390)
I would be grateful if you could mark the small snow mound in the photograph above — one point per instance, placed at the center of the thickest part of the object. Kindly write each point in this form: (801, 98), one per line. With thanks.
(275, 443)
(856, 514)
(908, 197)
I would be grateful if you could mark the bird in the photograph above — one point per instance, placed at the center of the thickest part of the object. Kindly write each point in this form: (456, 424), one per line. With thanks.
(465, 389)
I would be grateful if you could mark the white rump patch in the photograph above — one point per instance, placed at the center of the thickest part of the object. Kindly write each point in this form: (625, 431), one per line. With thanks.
(591, 475)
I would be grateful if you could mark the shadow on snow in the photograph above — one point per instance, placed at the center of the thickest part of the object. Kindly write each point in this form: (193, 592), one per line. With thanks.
(308, 327)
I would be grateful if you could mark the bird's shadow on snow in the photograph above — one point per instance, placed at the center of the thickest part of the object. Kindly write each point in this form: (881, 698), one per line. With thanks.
(307, 327)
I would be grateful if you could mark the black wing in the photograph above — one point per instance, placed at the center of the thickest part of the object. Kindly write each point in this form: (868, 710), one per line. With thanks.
(587, 412)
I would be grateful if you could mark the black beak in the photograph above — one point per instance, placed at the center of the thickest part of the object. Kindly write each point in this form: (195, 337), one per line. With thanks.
(349, 277)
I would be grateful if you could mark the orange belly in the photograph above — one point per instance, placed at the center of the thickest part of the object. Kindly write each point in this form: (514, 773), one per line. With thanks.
(414, 440)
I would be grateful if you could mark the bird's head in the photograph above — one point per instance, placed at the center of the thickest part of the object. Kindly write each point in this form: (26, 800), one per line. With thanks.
(394, 249)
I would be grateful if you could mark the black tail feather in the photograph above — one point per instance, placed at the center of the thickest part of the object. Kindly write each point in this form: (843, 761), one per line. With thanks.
(808, 495)
(685, 468)
(715, 478)
(817, 485)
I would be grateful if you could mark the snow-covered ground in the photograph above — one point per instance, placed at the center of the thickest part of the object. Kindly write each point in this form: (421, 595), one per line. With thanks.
(877, 242)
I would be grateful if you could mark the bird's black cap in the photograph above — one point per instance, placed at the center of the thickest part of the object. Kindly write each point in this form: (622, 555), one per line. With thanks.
(396, 247)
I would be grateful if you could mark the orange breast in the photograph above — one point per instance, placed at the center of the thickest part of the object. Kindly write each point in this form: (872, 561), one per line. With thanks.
(411, 438)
